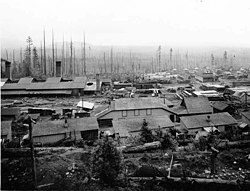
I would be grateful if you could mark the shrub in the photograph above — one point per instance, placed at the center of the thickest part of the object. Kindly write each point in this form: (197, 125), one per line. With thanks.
(106, 163)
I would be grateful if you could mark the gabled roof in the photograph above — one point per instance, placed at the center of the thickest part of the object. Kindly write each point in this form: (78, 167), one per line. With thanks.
(83, 124)
(57, 126)
(135, 124)
(49, 128)
(197, 105)
(135, 103)
(140, 103)
(246, 114)
(218, 119)
(219, 105)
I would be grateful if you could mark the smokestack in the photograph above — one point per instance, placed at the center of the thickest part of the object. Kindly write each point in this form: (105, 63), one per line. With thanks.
(7, 69)
(58, 69)
(98, 82)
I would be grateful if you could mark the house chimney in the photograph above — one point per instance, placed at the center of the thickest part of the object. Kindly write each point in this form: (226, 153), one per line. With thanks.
(208, 118)
(98, 82)
(58, 69)
(7, 69)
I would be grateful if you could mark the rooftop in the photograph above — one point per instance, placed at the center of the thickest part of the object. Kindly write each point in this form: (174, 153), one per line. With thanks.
(57, 126)
(218, 119)
(140, 103)
(197, 105)
(246, 114)
(219, 105)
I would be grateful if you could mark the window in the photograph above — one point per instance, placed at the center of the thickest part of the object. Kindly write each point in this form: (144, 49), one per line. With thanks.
(149, 111)
(124, 114)
(136, 112)
(104, 123)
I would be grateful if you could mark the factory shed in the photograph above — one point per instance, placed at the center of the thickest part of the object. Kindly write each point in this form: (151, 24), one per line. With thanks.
(222, 121)
(52, 86)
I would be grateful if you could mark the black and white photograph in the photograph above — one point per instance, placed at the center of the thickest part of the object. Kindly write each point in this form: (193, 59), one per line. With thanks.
(125, 95)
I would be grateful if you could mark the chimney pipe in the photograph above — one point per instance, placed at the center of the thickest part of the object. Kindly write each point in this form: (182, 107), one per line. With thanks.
(7, 69)
(98, 82)
(58, 69)
(208, 118)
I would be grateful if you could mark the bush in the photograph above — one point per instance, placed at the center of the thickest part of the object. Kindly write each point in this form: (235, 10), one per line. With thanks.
(106, 162)
(146, 135)
(167, 142)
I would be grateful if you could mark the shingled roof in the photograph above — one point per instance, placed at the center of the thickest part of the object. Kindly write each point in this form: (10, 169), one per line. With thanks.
(246, 114)
(219, 105)
(197, 105)
(140, 103)
(198, 121)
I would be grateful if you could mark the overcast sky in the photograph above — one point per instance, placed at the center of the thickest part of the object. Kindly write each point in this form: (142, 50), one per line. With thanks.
(128, 22)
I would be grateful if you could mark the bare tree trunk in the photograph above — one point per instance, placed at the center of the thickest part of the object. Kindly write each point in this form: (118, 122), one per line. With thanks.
(71, 57)
(63, 60)
(53, 55)
(44, 46)
(41, 64)
(111, 61)
(74, 61)
(84, 56)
